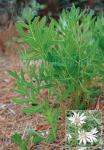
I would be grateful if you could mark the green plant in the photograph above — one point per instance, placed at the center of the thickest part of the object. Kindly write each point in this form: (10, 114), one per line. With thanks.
(22, 143)
(69, 55)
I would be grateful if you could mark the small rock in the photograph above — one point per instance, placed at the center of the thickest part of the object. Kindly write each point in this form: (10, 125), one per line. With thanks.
(7, 80)
(2, 106)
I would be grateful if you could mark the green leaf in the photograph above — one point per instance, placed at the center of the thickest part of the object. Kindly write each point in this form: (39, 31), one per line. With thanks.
(41, 71)
(20, 101)
(22, 90)
(24, 145)
(22, 76)
(13, 74)
(33, 109)
(47, 86)
(28, 14)
(20, 30)
(37, 136)
(16, 138)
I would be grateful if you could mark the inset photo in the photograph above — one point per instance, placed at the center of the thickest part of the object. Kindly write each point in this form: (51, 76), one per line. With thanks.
(83, 129)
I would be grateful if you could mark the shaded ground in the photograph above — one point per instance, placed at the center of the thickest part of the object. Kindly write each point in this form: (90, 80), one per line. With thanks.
(11, 119)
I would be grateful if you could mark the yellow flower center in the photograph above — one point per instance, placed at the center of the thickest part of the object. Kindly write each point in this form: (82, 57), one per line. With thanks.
(77, 120)
(83, 135)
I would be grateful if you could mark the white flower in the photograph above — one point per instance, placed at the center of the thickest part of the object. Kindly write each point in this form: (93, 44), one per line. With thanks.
(92, 135)
(68, 137)
(94, 131)
(82, 148)
(77, 119)
(83, 137)
(47, 132)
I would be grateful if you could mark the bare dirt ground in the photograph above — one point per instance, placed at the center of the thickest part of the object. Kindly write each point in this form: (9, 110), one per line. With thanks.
(11, 119)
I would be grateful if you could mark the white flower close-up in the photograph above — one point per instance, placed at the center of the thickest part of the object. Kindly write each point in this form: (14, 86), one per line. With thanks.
(77, 119)
(89, 137)
(92, 135)
(82, 130)
(83, 137)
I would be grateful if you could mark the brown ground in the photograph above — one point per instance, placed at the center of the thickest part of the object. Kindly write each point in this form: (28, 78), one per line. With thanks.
(11, 119)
